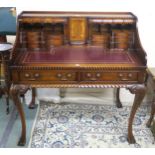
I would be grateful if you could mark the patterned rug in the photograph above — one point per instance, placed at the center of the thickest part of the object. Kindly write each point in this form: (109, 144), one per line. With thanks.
(88, 126)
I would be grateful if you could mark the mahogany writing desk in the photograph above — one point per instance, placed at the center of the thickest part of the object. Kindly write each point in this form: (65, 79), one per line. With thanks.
(78, 50)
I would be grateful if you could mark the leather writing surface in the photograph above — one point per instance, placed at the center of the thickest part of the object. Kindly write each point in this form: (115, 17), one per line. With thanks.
(78, 54)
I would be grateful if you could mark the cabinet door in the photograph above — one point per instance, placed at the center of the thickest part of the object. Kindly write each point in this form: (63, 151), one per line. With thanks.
(77, 30)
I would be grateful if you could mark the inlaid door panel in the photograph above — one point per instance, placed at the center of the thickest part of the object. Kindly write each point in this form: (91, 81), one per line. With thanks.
(77, 30)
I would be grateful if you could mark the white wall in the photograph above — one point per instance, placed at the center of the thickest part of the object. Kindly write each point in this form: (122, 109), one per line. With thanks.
(144, 10)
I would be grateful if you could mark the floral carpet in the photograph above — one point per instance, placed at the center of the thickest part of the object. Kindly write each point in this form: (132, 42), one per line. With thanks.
(88, 126)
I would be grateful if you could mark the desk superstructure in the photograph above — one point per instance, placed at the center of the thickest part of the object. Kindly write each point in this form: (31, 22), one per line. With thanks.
(78, 50)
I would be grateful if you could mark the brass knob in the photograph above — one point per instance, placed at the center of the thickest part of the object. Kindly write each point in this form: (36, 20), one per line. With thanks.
(120, 75)
(36, 75)
(59, 75)
(69, 75)
(130, 75)
(98, 75)
(27, 75)
(89, 75)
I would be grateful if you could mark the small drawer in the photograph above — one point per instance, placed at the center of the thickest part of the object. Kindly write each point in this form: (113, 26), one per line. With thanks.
(64, 75)
(47, 75)
(128, 76)
(92, 76)
(33, 76)
(109, 76)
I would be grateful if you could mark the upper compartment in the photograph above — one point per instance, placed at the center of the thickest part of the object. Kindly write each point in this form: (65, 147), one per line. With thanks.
(44, 31)
(108, 17)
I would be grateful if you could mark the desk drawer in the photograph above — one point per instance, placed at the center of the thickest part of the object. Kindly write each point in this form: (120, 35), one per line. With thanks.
(109, 76)
(47, 75)
(74, 76)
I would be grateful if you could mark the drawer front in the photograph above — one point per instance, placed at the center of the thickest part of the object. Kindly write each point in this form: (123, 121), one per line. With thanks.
(109, 76)
(47, 75)
(75, 76)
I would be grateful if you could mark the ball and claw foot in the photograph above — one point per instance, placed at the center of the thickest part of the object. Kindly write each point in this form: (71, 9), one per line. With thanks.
(7, 110)
(118, 104)
(139, 91)
(131, 140)
(148, 124)
(117, 101)
(32, 105)
(21, 142)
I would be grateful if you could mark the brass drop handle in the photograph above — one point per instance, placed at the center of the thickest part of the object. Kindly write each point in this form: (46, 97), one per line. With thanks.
(88, 75)
(27, 75)
(69, 75)
(36, 75)
(124, 79)
(63, 79)
(98, 75)
(31, 79)
(59, 75)
(130, 75)
(120, 75)
(93, 79)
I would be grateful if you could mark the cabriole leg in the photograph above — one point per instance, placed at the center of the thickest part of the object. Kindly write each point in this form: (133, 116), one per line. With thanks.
(15, 93)
(118, 102)
(32, 103)
(148, 124)
(62, 92)
(7, 104)
(139, 91)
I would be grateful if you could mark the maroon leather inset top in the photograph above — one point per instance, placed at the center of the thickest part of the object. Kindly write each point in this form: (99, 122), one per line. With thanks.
(78, 54)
